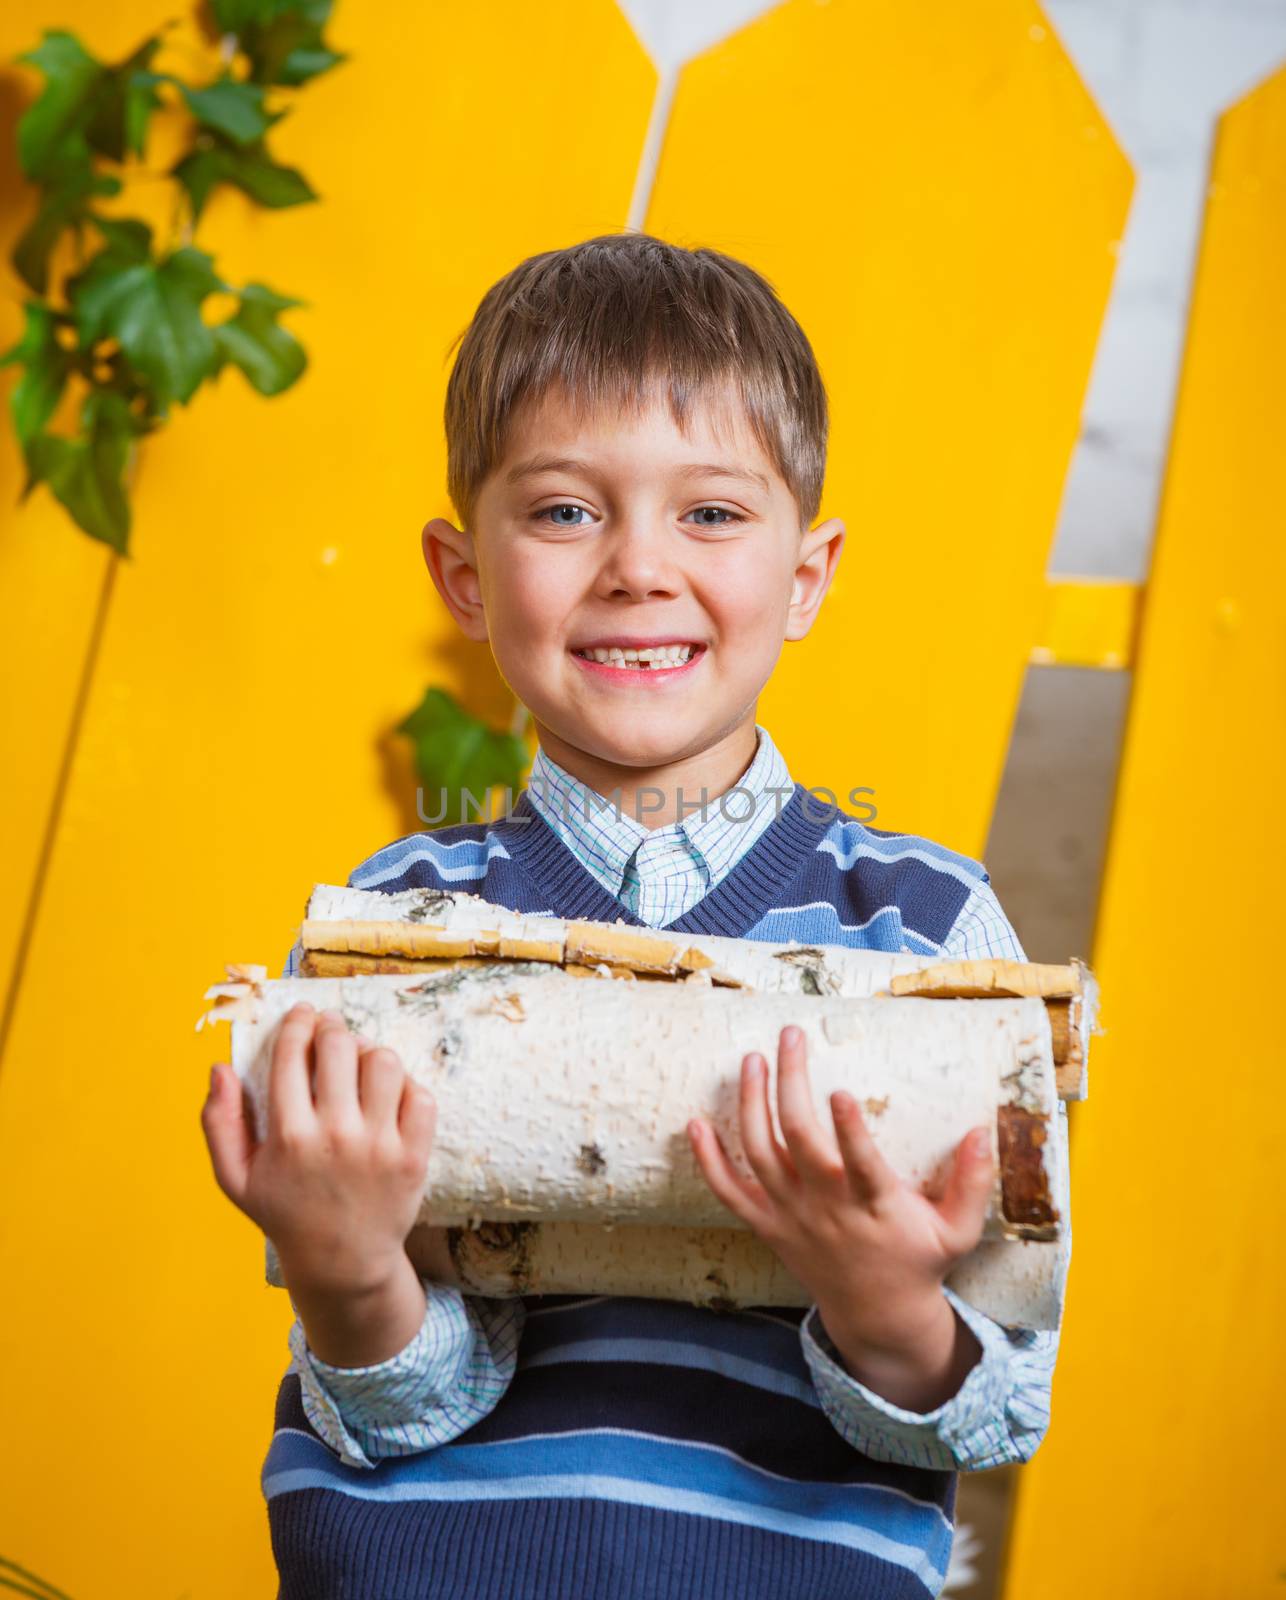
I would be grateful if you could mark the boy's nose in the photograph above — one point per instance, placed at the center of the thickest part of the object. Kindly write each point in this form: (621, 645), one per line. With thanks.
(639, 560)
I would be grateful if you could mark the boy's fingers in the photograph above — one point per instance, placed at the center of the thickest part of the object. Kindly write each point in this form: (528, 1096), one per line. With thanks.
(290, 1101)
(227, 1133)
(812, 1152)
(757, 1137)
(718, 1171)
(417, 1119)
(335, 1071)
(379, 1085)
(963, 1206)
(869, 1173)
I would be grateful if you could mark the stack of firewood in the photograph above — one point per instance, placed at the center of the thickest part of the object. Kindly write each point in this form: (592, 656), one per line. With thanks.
(561, 1162)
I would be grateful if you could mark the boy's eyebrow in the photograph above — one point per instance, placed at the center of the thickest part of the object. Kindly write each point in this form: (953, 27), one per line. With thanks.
(538, 464)
(711, 469)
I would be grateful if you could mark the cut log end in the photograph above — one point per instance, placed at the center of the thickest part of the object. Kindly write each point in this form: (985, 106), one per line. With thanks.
(494, 1250)
(1026, 1203)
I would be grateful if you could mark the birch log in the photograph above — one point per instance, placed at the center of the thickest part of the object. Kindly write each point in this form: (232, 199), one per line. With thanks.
(562, 1100)
(353, 931)
(1015, 1275)
(1018, 1282)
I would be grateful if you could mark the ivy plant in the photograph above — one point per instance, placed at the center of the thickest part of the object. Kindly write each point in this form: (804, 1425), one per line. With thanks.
(124, 329)
(459, 758)
(19, 1580)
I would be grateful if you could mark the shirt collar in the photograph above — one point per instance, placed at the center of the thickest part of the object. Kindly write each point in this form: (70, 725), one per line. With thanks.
(606, 838)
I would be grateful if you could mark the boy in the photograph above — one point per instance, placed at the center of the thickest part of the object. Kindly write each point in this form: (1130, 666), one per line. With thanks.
(636, 437)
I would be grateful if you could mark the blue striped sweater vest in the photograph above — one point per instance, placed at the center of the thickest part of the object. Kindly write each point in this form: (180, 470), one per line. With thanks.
(615, 1469)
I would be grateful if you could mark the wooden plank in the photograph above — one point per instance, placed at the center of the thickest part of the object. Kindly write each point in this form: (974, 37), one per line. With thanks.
(1161, 1474)
(938, 200)
(1088, 622)
(456, 140)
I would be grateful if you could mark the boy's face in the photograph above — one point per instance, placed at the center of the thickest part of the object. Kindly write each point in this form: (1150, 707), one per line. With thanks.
(619, 530)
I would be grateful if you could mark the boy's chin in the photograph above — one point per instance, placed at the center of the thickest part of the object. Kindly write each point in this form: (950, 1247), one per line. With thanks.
(642, 740)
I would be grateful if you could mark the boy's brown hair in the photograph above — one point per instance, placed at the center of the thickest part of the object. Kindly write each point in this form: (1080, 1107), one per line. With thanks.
(610, 317)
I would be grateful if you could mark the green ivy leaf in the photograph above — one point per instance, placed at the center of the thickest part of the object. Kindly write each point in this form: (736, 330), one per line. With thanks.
(85, 107)
(307, 62)
(235, 110)
(239, 16)
(122, 104)
(255, 172)
(281, 38)
(455, 752)
(63, 206)
(199, 173)
(270, 356)
(249, 168)
(154, 310)
(51, 132)
(128, 238)
(47, 367)
(86, 474)
(149, 306)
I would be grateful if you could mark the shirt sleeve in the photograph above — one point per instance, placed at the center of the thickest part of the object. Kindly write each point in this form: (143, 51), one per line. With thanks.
(453, 1372)
(450, 1376)
(1000, 1413)
(997, 1417)
(982, 929)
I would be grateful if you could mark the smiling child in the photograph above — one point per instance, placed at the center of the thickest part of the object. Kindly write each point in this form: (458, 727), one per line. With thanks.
(636, 448)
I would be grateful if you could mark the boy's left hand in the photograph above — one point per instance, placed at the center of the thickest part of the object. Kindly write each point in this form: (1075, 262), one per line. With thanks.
(870, 1249)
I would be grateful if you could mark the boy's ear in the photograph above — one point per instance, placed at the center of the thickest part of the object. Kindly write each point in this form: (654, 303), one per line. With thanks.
(453, 565)
(819, 553)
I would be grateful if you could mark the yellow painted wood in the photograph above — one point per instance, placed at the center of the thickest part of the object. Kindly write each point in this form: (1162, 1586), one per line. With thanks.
(275, 622)
(51, 576)
(56, 582)
(1162, 1472)
(1088, 622)
(937, 199)
(52, 579)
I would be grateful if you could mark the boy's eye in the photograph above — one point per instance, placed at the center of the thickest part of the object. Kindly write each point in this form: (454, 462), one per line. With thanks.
(558, 520)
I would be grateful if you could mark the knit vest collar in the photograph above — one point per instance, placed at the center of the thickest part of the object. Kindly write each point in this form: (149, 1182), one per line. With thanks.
(736, 903)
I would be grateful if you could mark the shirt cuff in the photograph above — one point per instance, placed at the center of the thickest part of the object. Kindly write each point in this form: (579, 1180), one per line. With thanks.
(945, 1438)
(355, 1407)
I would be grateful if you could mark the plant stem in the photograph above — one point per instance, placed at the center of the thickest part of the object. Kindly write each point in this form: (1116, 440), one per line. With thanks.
(46, 1590)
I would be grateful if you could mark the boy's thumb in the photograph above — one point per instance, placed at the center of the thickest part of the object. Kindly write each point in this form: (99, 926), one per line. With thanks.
(227, 1133)
(963, 1206)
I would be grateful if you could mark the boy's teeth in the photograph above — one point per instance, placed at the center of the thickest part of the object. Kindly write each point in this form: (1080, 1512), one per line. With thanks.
(657, 658)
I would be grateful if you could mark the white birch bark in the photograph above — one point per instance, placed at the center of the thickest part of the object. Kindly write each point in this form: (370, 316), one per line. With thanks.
(1015, 1281)
(566, 1100)
(585, 1149)
(1018, 1282)
(446, 923)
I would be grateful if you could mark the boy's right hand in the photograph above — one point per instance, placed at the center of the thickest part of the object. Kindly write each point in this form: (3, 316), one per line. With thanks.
(336, 1183)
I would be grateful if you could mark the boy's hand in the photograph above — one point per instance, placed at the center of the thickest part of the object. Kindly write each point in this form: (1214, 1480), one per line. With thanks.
(870, 1249)
(336, 1183)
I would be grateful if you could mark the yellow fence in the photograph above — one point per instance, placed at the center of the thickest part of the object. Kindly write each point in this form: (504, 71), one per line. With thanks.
(1162, 1472)
(199, 734)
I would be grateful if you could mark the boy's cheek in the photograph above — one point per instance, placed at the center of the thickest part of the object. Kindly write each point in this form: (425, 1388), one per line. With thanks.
(532, 582)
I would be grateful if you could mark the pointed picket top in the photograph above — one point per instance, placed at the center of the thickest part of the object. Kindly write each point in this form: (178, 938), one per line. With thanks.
(937, 198)
(1204, 763)
(462, 139)
(673, 31)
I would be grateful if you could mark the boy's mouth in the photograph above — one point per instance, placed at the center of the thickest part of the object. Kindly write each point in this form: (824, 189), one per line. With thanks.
(643, 661)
